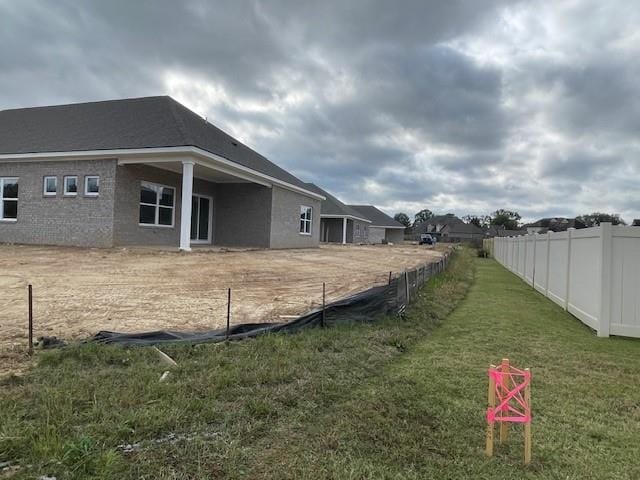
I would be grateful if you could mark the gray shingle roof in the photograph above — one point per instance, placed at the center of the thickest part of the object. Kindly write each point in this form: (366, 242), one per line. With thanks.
(333, 206)
(465, 228)
(557, 223)
(148, 122)
(448, 219)
(378, 218)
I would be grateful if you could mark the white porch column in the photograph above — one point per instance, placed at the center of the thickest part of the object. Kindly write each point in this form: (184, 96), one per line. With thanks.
(344, 230)
(185, 211)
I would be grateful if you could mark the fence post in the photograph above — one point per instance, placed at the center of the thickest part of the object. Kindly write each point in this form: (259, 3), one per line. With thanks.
(513, 254)
(533, 271)
(546, 280)
(406, 284)
(606, 254)
(30, 319)
(524, 264)
(568, 286)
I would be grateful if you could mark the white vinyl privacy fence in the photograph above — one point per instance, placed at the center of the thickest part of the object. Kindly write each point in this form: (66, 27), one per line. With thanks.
(594, 273)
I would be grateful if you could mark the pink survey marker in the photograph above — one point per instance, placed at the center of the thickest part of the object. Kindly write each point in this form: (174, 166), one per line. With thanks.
(511, 404)
(509, 401)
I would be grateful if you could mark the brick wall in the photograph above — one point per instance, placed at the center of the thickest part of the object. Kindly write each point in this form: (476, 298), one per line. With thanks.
(127, 228)
(285, 220)
(243, 215)
(395, 235)
(376, 234)
(59, 220)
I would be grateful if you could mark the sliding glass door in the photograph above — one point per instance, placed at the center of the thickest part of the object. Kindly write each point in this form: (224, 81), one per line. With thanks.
(201, 219)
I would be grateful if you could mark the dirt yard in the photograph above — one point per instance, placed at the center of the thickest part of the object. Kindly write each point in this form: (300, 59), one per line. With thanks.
(78, 292)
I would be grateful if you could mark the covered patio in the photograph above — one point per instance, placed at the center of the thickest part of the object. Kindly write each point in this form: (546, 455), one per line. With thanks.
(217, 201)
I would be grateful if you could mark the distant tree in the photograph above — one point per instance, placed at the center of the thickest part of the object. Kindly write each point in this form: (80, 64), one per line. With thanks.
(507, 218)
(403, 218)
(596, 218)
(422, 216)
(479, 221)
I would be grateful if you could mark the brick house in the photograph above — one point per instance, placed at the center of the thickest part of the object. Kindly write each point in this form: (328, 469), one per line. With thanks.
(449, 228)
(339, 223)
(383, 228)
(144, 171)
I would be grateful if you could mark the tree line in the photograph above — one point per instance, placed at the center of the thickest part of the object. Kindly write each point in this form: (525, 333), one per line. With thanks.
(508, 219)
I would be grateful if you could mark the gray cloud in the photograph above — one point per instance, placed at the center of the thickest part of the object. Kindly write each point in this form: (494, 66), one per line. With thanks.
(444, 105)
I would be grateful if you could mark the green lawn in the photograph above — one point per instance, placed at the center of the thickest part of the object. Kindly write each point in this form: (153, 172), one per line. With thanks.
(398, 398)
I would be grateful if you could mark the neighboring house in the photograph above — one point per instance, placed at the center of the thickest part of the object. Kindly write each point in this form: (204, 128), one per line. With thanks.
(435, 224)
(449, 228)
(461, 232)
(144, 171)
(555, 224)
(383, 228)
(339, 223)
(500, 231)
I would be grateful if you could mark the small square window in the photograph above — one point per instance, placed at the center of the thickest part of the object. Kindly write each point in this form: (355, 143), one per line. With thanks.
(50, 186)
(91, 185)
(71, 186)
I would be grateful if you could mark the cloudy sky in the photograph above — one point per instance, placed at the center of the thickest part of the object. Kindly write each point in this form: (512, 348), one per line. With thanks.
(456, 106)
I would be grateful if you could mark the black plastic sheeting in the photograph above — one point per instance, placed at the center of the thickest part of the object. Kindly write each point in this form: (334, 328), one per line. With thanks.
(362, 307)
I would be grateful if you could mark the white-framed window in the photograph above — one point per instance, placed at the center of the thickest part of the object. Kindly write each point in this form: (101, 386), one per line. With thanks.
(358, 229)
(71, 185)
(305, 219)
(50, 187)
(91, 185)
(157, 203)
(9, 199)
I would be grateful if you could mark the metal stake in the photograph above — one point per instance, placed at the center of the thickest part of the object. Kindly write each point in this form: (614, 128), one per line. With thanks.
(323, 304)
(228, 312)
(30, 320)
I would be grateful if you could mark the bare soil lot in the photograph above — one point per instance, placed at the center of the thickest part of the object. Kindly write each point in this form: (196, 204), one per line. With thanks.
(78, 292)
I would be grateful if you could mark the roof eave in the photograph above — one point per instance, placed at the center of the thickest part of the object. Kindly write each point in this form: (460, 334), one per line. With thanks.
(352, 217)
(136, 152)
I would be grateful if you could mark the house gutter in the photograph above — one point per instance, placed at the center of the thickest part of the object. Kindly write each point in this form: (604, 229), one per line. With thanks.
(154, 151)
(351, 217)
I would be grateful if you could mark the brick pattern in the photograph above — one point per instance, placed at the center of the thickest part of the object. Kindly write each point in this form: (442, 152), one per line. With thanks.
(244, 214)
(358, 233)
(376, 234)
(79, 220)
(285, 220)
(127, 228)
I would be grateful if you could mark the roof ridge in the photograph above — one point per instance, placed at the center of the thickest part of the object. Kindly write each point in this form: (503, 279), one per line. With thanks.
(85, 103)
